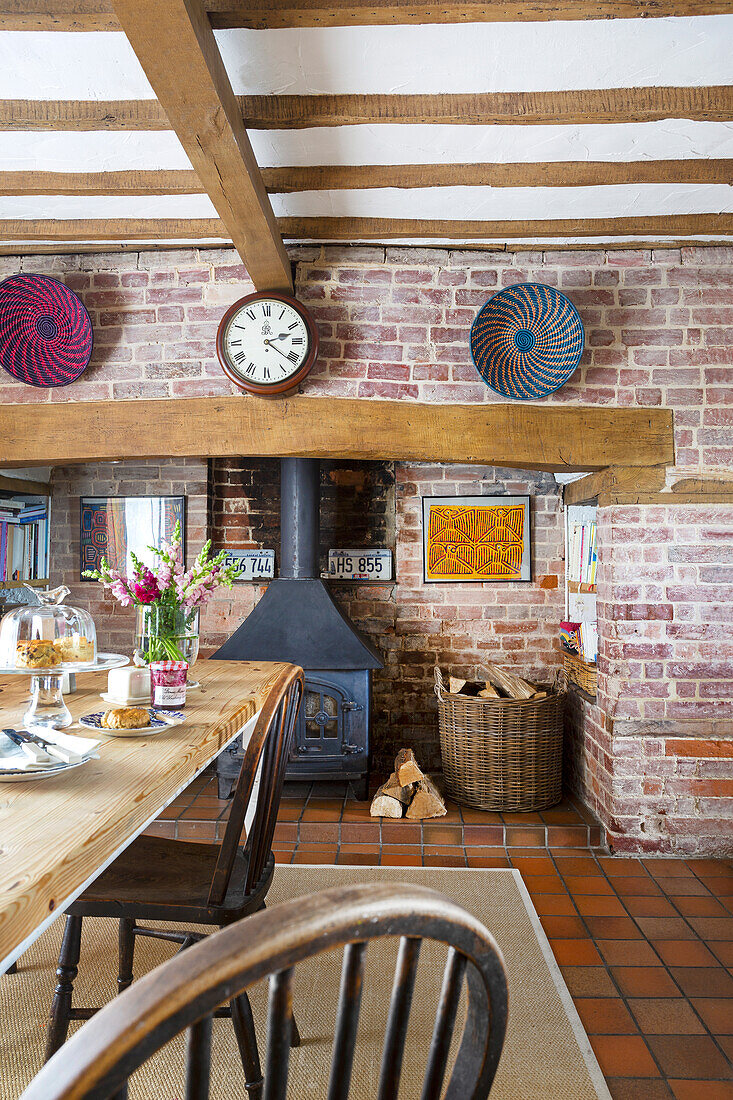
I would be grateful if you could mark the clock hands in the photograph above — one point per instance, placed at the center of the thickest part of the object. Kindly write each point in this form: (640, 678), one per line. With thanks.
(277, 349)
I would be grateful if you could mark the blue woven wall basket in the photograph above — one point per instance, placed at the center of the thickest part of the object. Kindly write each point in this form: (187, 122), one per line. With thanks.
(527, 341)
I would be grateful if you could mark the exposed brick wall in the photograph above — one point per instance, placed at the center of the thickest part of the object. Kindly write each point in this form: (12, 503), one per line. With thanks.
(394, 324)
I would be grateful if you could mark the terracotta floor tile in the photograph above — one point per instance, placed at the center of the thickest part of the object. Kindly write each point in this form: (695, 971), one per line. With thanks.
(724, 951)
(649, 907)
(480, 817)
(283, 857)
(290, 809)
(605, 1016)
(638, 1088)
(612, 928)
(622, 866)
(444, 861)
(286, 832)
(713, 928)
(544, 884)
(575, 952)
(557, 926)
(403, 860)
(645, 981)
(560, 905)
(689, 1056)
(401, 832)
(702, 1090)
(166, 829)
(531, 818)
(444, 850)
(196, 830)
(577, 866)
(703, 981)
(665, 928)
(372, 849)
(361, 859)
(567, 816)
(700, 907)
(719, 868)
(721, 887)
(683, 887)
(485, 861)
(599, 905)
(483, 834)
(567, 836)
(623, 1055)
(667, 868)
(311, 813)
(356, 832)
(725, 1042)
(525, 836)
(407, 849)
(319, 832)
(534, 865)
(627, 953)
(588, 884)
(684, 953)
(716, 1012)
(310, 856)
(588, 981)
(665, 1016)
(441, 834)
(635, 886)
(493, 852)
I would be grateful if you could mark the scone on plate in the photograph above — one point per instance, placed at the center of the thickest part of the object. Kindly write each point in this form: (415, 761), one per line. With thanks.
(75, 648)
(126, 718)
(39, 653)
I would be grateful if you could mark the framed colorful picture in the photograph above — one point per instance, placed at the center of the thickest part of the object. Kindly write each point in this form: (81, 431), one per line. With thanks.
(117, 527)
(474, 539)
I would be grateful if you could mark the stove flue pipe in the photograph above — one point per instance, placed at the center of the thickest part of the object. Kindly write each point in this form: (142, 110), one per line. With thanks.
(299, 517)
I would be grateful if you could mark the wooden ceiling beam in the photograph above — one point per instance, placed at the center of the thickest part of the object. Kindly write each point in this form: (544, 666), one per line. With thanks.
(132, 182)
(547, 437)
(293, 112)
(368, 229)
(545, 174)
(175, 45)
(351, 176)
(385, 229)
(51, 248)
(98, 15)
(614, 479)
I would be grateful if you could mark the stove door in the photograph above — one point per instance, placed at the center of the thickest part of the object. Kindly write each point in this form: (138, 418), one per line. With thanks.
(323, 723)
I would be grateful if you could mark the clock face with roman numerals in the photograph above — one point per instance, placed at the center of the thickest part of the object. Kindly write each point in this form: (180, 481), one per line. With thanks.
(267, 343)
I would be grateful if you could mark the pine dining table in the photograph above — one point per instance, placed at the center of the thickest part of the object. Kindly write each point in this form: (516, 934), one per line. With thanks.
(59, 833)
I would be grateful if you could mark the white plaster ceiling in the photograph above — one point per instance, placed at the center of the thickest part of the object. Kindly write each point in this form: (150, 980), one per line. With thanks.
(485, 57)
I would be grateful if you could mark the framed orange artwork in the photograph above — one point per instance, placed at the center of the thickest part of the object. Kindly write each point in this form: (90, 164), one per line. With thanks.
(476, 539)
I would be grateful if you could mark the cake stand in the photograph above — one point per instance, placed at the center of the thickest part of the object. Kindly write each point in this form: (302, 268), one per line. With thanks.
(47, 707)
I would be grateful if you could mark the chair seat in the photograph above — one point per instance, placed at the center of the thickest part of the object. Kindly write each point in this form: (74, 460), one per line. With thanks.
(155, 878)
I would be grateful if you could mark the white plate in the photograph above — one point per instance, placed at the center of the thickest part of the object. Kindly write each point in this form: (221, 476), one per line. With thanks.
(103, 662)
(160, 719)
(19, 775)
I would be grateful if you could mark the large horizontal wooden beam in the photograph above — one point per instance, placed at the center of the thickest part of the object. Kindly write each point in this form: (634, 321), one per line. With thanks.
(542, 437)
(576, 173)
(614, 479)
(278, 112)
(385, 229)
(132, 182)
(347, 177)
(97, 15)
(73, 230)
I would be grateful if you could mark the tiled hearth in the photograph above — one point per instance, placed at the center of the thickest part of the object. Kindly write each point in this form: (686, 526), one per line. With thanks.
(316, 821)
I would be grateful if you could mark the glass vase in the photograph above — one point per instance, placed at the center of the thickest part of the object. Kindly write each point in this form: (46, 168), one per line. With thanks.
(166, 634)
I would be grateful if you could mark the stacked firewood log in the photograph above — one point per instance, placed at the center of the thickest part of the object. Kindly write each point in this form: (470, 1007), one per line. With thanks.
(499, 684)
(408, 790)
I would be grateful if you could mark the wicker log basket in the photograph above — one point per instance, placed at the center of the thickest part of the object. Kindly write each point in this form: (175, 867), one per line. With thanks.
(501, 754)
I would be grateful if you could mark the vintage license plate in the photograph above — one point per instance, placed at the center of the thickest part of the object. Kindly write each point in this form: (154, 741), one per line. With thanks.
(258, 564)
(360, 565)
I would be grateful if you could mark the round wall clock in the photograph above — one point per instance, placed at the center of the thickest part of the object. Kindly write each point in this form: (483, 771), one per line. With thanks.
(267, 343)
(45, 333)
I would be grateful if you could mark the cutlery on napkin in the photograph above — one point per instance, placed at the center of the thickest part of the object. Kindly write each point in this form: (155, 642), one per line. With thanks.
(40, 751)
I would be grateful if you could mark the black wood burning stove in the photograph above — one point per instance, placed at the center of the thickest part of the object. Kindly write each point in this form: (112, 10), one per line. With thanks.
(298, 620)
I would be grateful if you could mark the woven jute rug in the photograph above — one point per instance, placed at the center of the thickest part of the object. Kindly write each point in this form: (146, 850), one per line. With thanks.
(546, 1056)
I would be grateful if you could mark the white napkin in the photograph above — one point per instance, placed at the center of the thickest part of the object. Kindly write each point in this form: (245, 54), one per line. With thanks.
(13, 758)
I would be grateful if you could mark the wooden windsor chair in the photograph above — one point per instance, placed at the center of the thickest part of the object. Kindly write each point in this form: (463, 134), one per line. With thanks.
(211, 884)
(184, 993)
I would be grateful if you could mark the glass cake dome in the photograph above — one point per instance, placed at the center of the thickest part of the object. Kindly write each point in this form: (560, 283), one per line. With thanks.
(50, 637)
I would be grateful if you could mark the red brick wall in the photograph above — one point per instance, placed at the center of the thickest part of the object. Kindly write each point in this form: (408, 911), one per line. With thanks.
(394, 324)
